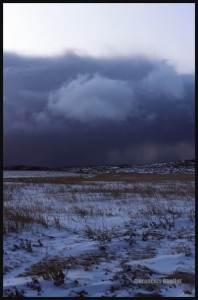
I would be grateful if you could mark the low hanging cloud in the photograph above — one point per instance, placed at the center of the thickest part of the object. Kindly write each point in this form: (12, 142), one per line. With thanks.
(163, 81)
(93, 98)
(80, 110)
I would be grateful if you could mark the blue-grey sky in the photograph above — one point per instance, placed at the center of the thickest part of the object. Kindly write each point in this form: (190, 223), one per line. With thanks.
(98, 83)
(160, 30)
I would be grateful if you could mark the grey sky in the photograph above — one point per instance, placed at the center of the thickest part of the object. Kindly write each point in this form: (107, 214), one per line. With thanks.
(98, 83)
(157, 30)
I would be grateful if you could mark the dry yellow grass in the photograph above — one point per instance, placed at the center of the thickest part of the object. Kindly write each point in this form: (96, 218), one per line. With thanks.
(126, 177)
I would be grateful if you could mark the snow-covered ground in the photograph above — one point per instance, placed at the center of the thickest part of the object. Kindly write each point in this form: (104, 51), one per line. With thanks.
(83, 236)
(17, 174)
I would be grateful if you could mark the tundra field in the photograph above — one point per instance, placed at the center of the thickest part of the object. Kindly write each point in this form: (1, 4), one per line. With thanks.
(98, 234)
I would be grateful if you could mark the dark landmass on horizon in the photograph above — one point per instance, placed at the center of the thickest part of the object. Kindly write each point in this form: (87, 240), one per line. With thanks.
(179, 163)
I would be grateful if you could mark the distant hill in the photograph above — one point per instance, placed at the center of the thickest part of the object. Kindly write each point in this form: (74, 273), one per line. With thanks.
(181, 166)
(25, 168)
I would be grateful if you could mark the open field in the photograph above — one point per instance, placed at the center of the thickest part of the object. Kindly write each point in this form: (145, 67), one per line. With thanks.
(122, 234)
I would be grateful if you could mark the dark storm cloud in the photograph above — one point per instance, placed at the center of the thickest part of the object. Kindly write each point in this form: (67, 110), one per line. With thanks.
(80, 110)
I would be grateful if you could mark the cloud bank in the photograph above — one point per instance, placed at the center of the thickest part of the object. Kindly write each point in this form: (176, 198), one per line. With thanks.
(74, 110)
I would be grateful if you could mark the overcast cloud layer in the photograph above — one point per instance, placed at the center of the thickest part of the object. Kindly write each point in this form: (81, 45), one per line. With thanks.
(74, 110)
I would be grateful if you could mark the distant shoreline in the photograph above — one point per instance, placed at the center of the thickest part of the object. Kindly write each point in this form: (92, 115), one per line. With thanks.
(188, 162)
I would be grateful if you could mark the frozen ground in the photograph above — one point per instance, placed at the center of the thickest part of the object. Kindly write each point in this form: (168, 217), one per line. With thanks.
(178, 167)
(107, 235)
(17, 174)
